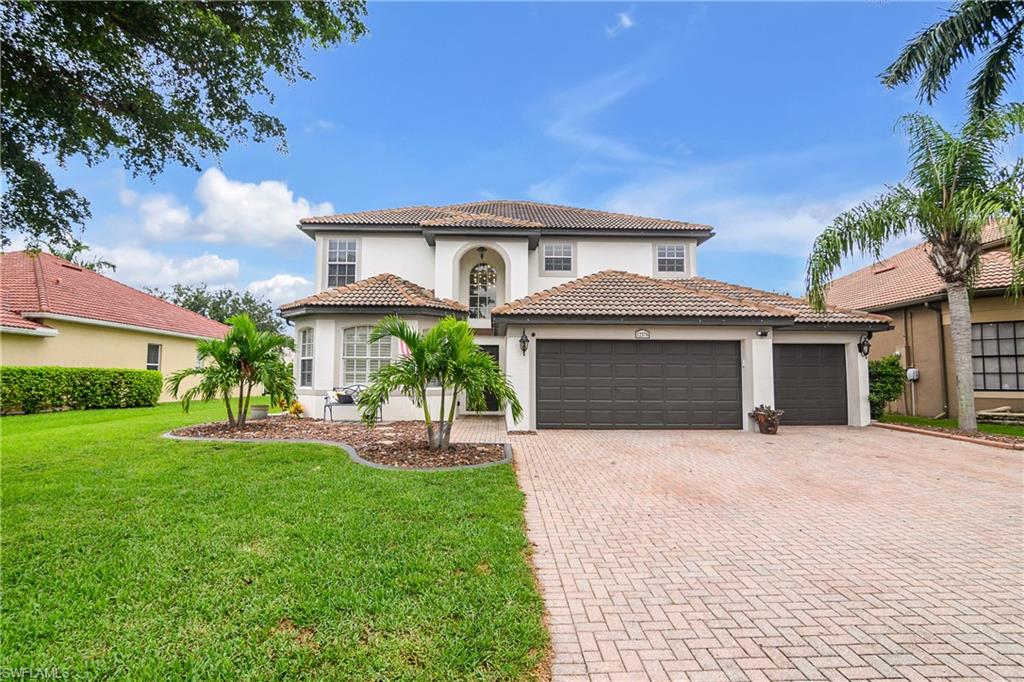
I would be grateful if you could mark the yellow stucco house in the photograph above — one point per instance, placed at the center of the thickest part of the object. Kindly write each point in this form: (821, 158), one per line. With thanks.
(53, 312)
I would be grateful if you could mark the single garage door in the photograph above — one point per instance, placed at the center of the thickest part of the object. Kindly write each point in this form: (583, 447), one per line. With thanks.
(810, 383)
(638, 384)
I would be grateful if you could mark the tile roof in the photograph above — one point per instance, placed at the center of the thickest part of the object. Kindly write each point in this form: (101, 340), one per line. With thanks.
(617, 293)
(624, 294)
(804, 312)
(504, 214)
(910, 276)
(43, 283)
(380, 291)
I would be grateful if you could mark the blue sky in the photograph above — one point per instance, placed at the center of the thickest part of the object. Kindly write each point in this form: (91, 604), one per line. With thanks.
(763, 120)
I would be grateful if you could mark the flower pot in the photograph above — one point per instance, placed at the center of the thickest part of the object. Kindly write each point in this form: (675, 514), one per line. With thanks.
(766, 425)
(258, 411)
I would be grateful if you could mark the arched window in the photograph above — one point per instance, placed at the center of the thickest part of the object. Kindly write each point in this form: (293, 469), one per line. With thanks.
(360, 358)
(483, 287)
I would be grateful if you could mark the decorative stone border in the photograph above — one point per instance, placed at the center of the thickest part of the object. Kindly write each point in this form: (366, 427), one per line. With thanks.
(951, 436)
(353, 455)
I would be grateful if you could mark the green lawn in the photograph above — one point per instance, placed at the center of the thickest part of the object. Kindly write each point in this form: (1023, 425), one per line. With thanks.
(1001, 429)
(128, 555)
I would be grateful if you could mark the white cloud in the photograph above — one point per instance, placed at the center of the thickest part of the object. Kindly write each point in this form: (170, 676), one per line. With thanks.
(623, 22)
(141, 267)
(319, 125)
(161, 215)
(249, 212)
(282, 288)
(263, 213)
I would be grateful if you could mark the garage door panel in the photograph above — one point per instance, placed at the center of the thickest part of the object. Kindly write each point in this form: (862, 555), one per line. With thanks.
(810, 383)
(639, 384)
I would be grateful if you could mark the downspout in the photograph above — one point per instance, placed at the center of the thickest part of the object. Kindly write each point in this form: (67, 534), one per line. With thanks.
(908, 361)
(942, 358)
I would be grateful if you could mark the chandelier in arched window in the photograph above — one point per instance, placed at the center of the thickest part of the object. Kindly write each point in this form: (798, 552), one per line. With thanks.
(483, 287)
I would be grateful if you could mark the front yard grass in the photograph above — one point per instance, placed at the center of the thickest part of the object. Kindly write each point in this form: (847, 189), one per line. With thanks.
(999, 429)
(131, 556)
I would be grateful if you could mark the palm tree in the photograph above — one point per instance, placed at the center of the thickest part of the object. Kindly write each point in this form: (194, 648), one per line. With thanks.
(956, 187)
(445, 357)
(972, 26)
(233, 366)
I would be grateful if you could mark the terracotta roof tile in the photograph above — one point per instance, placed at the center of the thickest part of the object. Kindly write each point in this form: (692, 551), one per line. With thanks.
(804, 312)
(384, 291)
(44, 283)
(504, 214)
(617, 293)
(910, 276)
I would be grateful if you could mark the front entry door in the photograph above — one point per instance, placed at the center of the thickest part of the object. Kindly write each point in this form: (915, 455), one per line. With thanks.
(491, 400)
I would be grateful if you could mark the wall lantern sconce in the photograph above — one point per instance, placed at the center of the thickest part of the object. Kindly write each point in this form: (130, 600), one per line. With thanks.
(524, 342)
(482, 251)
(864, 345)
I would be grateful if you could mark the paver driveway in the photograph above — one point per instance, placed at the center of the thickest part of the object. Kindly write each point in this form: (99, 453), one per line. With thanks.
(820, 553)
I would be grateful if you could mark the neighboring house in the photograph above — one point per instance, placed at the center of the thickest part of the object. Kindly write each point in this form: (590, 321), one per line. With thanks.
(598, 319)
(53, 312)
(907, 288)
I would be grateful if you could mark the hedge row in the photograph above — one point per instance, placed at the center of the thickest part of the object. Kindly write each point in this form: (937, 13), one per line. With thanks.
(32, 389)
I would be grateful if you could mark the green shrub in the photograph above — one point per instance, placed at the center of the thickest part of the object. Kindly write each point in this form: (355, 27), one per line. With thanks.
(886, 378)
(32, 389)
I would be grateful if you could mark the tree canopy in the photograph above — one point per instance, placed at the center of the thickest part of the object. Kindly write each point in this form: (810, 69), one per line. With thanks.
(222, 304)
(150, 83)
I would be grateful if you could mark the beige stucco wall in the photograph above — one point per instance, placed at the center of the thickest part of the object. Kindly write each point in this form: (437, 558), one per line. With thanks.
(84, 345)
(915, 336)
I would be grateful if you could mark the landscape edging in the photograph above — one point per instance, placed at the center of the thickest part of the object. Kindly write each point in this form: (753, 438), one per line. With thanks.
(353, 455)
(950, 436)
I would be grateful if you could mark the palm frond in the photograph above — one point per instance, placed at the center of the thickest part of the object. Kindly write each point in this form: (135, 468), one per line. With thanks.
(998, 70)
(862, 229)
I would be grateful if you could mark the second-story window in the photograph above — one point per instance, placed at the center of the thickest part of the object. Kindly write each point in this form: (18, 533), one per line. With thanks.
(669, 258)
(558, 257)
(483, 289)
(341, 262)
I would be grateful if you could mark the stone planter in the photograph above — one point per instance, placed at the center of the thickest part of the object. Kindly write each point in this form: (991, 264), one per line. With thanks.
(258, 411)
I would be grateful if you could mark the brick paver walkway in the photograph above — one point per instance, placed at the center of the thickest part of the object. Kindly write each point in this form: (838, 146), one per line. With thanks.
(821, 553)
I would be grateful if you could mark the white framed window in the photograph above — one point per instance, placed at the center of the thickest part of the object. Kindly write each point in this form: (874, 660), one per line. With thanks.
(558, 258)
(199, 360)
(341, 262)
(670, 259)
(153, 353)
(360, 358)
(306, 357)
(483, 290)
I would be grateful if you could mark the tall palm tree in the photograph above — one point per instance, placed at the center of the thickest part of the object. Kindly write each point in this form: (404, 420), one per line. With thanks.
(972, 26)
(955, 188)
(246, 357)
(446, 358)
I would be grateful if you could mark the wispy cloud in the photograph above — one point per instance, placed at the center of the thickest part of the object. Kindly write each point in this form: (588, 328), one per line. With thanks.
(574, 121)
(623, 22)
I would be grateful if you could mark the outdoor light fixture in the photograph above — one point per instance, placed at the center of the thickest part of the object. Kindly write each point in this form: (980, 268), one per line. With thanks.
(482, 251)
(864, 345)
(524, 342)
(762, 333)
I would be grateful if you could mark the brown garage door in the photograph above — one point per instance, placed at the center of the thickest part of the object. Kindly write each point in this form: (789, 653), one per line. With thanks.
(638, 384)
(810, 383)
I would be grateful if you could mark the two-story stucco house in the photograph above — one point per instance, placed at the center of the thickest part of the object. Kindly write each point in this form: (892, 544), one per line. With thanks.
(599, 320)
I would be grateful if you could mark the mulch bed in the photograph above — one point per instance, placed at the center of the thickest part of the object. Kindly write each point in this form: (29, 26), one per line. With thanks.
(397, 444)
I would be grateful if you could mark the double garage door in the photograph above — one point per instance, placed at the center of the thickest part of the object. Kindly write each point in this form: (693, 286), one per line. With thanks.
(638, 384)
(679, 384)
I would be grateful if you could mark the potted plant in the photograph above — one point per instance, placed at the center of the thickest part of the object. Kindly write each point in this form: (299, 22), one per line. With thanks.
(767, 418)
(259, 411)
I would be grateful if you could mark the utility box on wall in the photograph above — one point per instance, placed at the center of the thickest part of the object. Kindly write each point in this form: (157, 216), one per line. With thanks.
(913, 374)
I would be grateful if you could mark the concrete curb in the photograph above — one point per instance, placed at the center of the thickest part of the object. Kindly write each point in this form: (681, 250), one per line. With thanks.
(353, 455)
(951, 436)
